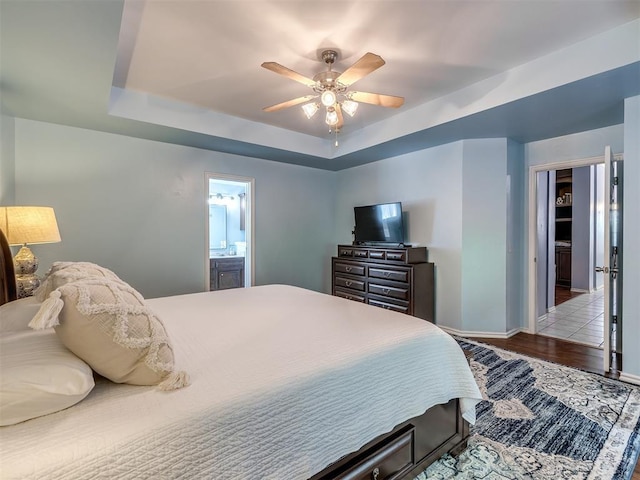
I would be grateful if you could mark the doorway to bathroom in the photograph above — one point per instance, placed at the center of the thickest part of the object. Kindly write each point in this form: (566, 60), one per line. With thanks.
(229, 255)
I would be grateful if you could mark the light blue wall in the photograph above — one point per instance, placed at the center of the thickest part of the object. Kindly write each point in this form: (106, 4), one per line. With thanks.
(138, 207)
(429, 185)
(582, 228)
(576, 146)
(456, 203)
(516, 256)
(631, 239)
(484, 235)
(7, 160)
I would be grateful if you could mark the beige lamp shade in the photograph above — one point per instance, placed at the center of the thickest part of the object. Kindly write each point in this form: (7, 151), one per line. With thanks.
(29, 225)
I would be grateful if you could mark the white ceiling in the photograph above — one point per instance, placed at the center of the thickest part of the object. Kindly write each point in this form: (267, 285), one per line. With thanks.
(208, 53)
(61, 59)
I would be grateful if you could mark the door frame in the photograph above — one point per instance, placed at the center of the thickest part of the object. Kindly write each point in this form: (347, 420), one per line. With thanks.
(532, 323)
(249, 259)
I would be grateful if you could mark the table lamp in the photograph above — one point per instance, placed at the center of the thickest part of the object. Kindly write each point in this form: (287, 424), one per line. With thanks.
(28, 225)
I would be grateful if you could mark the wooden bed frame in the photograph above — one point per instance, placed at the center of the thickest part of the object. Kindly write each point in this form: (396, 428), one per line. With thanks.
(400, 454)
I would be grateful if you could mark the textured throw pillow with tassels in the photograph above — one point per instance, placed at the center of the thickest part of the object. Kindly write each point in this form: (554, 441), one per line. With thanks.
(107, 323)
(62, 273)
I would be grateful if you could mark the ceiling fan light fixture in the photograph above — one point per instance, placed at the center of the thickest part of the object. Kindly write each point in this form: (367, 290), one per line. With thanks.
(328, 98)
(350, 107)
(310, 109)
(332, 117)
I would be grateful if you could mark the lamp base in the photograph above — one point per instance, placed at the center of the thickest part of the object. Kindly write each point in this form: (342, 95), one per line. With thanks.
(26, 285)
(26, 264)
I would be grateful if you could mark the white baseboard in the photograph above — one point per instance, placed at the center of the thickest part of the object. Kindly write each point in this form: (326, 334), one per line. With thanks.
(472, 334)
(627, 377)
(580, 290)
(551, 309)
(543, 317)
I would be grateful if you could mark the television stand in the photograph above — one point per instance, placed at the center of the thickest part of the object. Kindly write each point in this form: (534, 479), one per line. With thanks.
(390, 277)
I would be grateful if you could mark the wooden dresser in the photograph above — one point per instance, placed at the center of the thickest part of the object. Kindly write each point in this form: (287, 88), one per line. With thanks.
(397, 279)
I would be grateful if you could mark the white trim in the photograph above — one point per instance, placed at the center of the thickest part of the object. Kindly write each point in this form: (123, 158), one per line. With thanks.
(543, 317)
(630, 378)
(531, 229)
(579, 290)
(471, 334)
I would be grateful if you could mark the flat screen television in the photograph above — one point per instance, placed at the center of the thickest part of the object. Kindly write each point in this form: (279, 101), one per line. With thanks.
(380, 223)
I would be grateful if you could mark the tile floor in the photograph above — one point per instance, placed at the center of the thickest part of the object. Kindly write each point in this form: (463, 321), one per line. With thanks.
(579, 319)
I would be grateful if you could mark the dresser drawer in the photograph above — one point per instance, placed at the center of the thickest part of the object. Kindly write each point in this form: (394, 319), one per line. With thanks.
(349, 268)
(349, 295)
(377, 254)
(388, 305)
(395, 275)
(401, 293)
(397, 256)
(389, 460)
(357, 253)
(349, 283)
(345, 252)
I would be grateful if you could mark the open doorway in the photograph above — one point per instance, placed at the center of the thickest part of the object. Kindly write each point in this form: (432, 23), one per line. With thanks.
(569, 236)
(544, 200)
(229, 244)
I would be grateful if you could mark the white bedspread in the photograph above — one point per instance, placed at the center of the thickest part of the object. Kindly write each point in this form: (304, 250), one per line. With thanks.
(284, 381)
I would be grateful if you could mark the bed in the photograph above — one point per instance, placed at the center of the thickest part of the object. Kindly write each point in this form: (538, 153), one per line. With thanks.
(286, 383)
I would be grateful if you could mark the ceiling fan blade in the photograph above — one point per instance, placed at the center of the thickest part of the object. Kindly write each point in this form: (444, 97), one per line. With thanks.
(287, 72)
(340, 117)
(367, 64)
(378, 99)
(289, 103)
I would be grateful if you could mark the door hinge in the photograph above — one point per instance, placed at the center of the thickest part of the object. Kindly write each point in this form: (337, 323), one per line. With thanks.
(614, 319)
(615, 180)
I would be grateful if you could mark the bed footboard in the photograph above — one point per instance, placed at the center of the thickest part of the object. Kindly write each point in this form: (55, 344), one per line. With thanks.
(407, 450)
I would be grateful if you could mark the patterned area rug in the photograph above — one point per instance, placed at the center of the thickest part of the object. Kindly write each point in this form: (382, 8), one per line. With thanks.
(545, 421)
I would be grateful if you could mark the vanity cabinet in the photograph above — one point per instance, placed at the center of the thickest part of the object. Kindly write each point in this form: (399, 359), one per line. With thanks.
(398, 279)
(226, 272)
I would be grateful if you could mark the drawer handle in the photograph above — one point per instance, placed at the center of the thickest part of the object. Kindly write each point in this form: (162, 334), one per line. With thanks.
(347, 268)
(348, 283)
(387, 274)
(386, 291)
(375, 474)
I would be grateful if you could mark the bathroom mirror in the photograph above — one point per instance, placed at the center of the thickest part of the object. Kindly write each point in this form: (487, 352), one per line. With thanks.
(217, 227)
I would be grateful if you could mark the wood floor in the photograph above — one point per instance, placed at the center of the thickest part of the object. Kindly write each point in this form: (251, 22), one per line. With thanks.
(562, 352)
(563, 294)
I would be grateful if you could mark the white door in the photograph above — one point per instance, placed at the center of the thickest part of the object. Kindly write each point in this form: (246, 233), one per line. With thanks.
(612, 257)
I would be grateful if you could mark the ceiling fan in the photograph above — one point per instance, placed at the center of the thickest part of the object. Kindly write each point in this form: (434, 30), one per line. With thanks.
(332, 88)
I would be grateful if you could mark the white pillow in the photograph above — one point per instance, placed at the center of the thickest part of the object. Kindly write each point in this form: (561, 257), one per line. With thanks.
(16, 315)
(38, 376)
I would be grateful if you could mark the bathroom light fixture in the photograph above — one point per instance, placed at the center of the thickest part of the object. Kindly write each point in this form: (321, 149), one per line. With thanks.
(220, 199)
